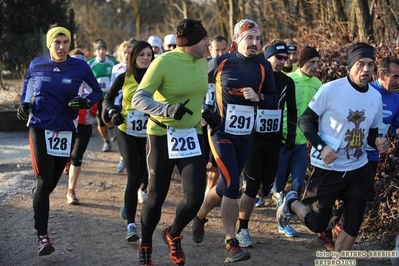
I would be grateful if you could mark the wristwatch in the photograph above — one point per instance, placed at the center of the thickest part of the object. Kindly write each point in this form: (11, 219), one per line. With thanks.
(320, 147)
(261, 96)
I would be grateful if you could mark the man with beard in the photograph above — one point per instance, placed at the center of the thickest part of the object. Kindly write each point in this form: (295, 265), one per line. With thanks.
(341, 119)
(262, 163)
(243, 82)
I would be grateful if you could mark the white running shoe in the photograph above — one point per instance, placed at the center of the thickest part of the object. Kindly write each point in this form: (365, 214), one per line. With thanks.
(121, 165)
(141, 196)
(107, 146)
(244, 238)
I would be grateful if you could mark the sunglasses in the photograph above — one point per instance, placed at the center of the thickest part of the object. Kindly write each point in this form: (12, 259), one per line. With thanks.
(171, 45)
(281, 57)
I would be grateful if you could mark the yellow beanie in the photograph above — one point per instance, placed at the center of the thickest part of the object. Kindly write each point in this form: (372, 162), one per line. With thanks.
(53, 32)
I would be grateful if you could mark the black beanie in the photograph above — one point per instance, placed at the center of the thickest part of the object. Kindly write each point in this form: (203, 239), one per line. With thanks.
(306, 54)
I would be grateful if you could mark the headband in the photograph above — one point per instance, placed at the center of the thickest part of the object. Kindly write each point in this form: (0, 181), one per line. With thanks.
(275, 49)
(244, 27)
(358, 54)
(54, 32)
(193, 37)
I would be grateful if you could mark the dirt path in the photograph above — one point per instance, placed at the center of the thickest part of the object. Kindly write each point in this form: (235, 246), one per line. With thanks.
(94, 234)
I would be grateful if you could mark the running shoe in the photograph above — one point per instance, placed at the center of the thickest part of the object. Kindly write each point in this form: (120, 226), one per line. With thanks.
(44, 245)
(123, 213)
(284, 227)
(66, 168)
(121, 166)
(112, 133)
(144, 256)
(259, 202)
(176, 254)
(234, 252)
(283, 211)
(244, 239)
(106, 146)
(141, 196)
(276, 196)
(131, 235)
(336, 230)
(198, 230)
(71, 197)
(326, 240)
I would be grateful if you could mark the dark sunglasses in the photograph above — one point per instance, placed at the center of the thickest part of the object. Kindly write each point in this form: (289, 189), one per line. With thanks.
(281, 57)
(171, 45)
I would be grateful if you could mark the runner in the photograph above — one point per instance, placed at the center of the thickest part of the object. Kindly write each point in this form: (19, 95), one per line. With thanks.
(172, 92)
(243, 81)
(50, 103)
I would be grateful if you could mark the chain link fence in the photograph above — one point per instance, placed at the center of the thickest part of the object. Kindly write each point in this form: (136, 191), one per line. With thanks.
(16, 52)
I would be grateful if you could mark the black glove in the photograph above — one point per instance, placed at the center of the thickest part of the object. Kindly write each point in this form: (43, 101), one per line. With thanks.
(24, 111)
(289, 143)
(211, 120)
(116, 117)
(176, 111)
(79, 103)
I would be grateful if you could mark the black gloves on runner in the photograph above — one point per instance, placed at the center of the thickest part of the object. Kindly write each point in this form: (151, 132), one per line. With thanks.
(211, 120)
(79, 103)
(176, 111)
(289, 143)
(116, 117)
(24, 111)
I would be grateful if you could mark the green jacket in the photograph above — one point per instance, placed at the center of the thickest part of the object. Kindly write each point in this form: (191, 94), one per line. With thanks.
(305, 89)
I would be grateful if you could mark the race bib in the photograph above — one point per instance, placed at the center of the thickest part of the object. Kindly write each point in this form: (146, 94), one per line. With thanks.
(104, 83)
(183, 143)
(136, 123)
(58, 143)
(239, 119)
(315, 156)
(210, 95)
(268, 121)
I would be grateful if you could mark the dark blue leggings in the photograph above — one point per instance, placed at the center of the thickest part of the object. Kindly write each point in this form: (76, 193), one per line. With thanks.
(230, 156)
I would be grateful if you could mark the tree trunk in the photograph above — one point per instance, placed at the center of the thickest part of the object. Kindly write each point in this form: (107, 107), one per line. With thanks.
(135, 4)
(363, 19)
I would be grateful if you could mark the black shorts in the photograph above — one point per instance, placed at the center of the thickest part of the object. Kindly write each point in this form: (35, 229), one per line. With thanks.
(324, 186)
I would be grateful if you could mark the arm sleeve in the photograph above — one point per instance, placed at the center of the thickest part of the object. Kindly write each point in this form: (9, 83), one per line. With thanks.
(308, 123)
(142, 100)
(292, 115)
(212, 67)
(373, 134)
(268, 89)
(113, 92)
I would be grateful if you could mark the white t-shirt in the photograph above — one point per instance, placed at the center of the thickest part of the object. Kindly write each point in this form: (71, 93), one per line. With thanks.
(346, 115)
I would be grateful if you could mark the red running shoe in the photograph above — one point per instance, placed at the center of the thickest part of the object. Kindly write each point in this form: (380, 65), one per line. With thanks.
(44, 245)
(176, 254)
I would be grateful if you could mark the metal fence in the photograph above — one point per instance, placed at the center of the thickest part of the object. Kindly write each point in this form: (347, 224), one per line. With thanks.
(16, 52)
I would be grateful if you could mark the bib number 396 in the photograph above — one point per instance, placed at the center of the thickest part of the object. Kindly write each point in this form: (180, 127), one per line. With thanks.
(182, 143)
(58, 143)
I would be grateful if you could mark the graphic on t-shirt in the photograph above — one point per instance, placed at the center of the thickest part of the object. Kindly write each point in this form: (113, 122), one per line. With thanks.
(355, 136)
